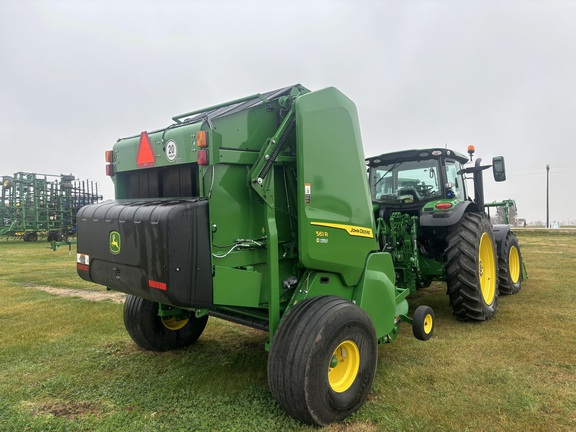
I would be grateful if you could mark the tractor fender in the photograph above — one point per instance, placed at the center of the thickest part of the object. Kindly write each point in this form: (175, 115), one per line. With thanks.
(500, 233)
(447, 218)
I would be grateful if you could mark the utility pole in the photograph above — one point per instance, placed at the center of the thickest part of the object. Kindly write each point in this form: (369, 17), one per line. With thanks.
(547, 196)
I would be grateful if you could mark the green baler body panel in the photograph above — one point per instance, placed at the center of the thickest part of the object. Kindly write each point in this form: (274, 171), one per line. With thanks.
(305, 229)
(335, 218)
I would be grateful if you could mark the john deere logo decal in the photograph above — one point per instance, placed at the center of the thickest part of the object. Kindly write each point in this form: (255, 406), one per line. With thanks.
(115, 242)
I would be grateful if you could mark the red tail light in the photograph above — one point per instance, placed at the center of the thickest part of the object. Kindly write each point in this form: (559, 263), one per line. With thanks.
(202, 157)
(443, 206)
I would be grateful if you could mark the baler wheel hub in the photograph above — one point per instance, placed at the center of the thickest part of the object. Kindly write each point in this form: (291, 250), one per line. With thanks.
(428, 323)
(174, 324)
(344, 366)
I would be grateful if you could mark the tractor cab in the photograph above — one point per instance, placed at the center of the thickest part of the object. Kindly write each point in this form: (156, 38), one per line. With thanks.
(406, 181)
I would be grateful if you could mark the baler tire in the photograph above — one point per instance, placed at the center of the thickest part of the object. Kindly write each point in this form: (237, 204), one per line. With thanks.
(510, 265)
(150, 331)
(423, 323)
(322, 360)
(471, 269)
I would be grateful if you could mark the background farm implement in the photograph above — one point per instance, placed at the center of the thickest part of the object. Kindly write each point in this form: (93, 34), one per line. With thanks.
(36, 206)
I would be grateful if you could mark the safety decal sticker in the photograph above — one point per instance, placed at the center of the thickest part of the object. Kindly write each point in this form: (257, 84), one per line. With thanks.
(307, 193)
(171, 150)
(321, 236)
(355, 231)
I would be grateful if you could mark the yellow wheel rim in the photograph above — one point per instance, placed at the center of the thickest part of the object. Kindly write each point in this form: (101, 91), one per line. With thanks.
(487, 269)
(514, 264)
(344, 366)
(171, 323)
(428, 323)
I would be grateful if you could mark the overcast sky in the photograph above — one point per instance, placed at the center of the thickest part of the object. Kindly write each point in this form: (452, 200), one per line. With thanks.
(501, 75)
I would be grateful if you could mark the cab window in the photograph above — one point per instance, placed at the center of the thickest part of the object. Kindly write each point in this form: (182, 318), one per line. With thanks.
(455, 181)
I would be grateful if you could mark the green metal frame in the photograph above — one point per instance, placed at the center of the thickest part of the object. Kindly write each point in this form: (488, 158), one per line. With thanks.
(507, 204)
(414, 271)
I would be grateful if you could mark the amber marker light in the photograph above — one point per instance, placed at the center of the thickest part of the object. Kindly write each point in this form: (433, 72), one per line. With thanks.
(109, 156)
(201, 139)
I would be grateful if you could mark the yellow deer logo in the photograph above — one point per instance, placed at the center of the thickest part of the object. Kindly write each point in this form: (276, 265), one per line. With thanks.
(115, 242)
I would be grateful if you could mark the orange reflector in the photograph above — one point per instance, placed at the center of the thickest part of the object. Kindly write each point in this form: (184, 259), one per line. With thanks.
(108, 156)
(443, 206)
(202, 157)
(201, 139)
(110, 170)
(157, 285)
(145, 157)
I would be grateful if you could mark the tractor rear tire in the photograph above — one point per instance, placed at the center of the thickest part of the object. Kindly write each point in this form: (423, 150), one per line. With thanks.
(510, 265)
(155, 333)
(322, 360)
(471, 269)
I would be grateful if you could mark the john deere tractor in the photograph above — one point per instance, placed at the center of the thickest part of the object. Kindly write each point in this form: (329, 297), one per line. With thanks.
(434, 231)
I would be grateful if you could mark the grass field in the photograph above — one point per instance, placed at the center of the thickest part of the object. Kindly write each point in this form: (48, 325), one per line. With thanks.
(67, 364)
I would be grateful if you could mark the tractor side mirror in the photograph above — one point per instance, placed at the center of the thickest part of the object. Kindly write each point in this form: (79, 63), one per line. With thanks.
(498, 168)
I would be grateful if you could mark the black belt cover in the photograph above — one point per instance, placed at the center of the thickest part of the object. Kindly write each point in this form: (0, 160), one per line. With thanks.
(159, 250)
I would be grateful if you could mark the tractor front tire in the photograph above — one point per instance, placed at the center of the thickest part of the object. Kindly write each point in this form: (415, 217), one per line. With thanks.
(155, 333)
(510, 265)
(471, 269)
(322, 360)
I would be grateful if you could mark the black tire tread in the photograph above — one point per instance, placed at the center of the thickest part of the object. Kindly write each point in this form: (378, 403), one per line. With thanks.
(146, 329)
(507, 287)
(462, 274)
(418, 322)
(299, 332)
